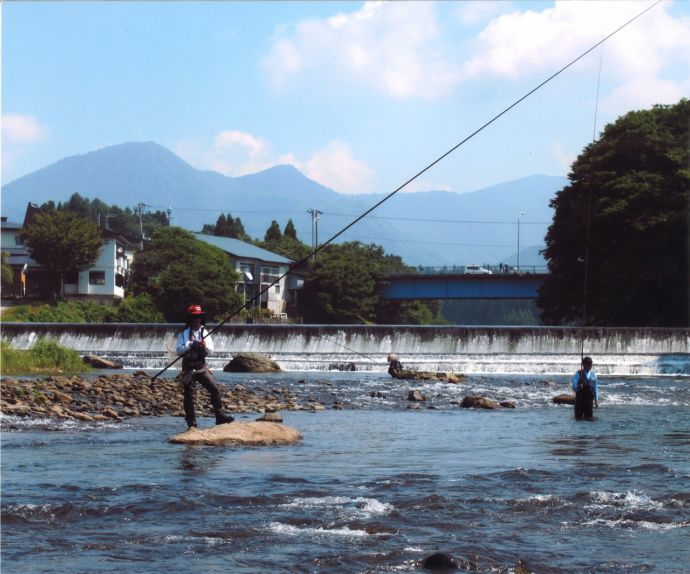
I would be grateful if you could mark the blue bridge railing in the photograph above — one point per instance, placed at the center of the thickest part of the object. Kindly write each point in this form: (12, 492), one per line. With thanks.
(477, 270)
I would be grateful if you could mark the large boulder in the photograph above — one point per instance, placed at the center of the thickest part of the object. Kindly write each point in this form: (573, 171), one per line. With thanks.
(252, 363)
(564, 399)
(100, 362)
(239, 434)
(410, 375)
(475, 402)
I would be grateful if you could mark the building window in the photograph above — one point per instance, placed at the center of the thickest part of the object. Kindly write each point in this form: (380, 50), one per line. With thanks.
(18, 240)
(277, 289)
(269, 273)
(96, 277)
(119, 280)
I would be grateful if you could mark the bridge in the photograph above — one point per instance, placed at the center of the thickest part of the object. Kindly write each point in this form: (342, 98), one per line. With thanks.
(466, 282)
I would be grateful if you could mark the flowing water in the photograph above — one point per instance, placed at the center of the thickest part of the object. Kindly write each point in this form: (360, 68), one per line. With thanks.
(374, 487)
(546, 350)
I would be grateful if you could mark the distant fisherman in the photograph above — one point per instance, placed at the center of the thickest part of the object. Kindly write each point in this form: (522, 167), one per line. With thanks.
(395, 365)
(586, 390)
(194, 344)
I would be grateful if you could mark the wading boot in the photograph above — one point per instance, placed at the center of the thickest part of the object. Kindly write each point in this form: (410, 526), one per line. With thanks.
(222, 418)
(191, 424)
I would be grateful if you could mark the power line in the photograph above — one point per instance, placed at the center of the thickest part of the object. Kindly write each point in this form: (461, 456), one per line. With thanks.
(414, 177)
(388, 217)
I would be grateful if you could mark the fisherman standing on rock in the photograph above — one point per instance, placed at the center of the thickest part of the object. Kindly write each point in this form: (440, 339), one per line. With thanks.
(586, 389)
(194, 344)
(395, 365)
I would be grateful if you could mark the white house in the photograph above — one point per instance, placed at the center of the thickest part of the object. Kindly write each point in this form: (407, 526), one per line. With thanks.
(257, 269)
(105, 279)
(103, 282)
(18, 258)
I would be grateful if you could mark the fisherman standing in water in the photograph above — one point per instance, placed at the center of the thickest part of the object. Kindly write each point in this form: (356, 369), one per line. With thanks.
(194, 344)
(586, 390)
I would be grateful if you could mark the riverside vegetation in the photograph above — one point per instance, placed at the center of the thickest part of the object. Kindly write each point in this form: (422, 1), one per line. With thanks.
(45, 356)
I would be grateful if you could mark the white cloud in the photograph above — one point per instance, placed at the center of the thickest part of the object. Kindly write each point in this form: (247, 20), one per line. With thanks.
(643, 93)
(336, 167)
(231, 152)
(21, 129)
(563, 158)
(524, 42)
(393, 47)
(236, 153)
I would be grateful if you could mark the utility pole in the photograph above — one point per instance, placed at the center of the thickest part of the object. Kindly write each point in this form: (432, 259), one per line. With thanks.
(140, 209)
(518, 241)
(314, 229)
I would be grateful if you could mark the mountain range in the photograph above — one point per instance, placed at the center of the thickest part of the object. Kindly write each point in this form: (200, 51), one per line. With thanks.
(431, 228)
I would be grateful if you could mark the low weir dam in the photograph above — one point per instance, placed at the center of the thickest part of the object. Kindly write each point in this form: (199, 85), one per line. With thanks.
(532, 350)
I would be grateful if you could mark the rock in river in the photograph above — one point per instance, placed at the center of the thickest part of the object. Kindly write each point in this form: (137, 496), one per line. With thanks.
(239, 434)
(100, 362)
(564, 399)
(252, 363)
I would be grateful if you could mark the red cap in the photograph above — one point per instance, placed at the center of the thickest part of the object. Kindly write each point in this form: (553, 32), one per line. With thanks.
(195, 310)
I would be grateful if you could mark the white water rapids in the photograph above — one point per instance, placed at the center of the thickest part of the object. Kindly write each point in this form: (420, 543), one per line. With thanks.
(534, 350)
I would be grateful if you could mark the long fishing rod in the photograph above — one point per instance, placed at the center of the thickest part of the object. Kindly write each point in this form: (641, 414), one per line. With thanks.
(318, 248)
(588, 226)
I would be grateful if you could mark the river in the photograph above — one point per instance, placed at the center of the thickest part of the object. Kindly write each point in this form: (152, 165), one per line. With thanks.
(372, 488)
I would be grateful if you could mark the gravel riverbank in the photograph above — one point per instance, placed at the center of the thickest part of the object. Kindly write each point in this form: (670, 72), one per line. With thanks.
(120, 396)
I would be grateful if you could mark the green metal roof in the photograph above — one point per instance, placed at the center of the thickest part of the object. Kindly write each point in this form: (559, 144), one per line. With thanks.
(241, 249)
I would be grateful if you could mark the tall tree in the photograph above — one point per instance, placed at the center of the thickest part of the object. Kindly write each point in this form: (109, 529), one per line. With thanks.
(122, 221)
(227, 226)
(62, 242)
(177, 269)
(273, 232)
(622, 223)
(344, 286)
(290, 230)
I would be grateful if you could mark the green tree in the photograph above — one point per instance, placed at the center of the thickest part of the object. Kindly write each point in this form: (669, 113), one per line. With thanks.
(62, 242)
(623, 221)
(226, 226)
(344, 285)
(290, 230)
(124, 222)
(7, 273)
(273, 232)
(177, 269)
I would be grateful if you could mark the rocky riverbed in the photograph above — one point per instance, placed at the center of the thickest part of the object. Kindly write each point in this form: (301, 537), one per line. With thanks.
(119, 396)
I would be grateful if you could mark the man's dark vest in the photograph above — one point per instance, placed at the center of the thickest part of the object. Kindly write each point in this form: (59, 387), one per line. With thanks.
(584, 386)
(195, 358)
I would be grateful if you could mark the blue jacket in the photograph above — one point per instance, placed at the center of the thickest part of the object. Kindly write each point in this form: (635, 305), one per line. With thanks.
(592, 378)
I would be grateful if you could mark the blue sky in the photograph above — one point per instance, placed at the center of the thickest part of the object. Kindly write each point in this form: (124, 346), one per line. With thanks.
(358, 96)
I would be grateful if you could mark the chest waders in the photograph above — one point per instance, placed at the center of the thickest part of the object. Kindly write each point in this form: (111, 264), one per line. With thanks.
(584, 398)
(194, 370)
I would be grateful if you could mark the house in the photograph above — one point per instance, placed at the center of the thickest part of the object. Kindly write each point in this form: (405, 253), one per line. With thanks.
(104, 282)
(18, 258)
(257, 269)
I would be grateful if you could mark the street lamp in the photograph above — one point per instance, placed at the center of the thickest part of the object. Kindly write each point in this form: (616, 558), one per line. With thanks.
(518, 241)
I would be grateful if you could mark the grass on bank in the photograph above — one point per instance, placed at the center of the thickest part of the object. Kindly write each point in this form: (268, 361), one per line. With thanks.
(46, 356)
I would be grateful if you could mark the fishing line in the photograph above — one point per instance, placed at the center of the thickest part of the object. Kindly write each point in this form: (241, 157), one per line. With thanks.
(414, 177)
(346, 348)
(588, 226)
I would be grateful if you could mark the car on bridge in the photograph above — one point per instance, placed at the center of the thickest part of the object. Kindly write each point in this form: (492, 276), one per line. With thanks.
(476, 270)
